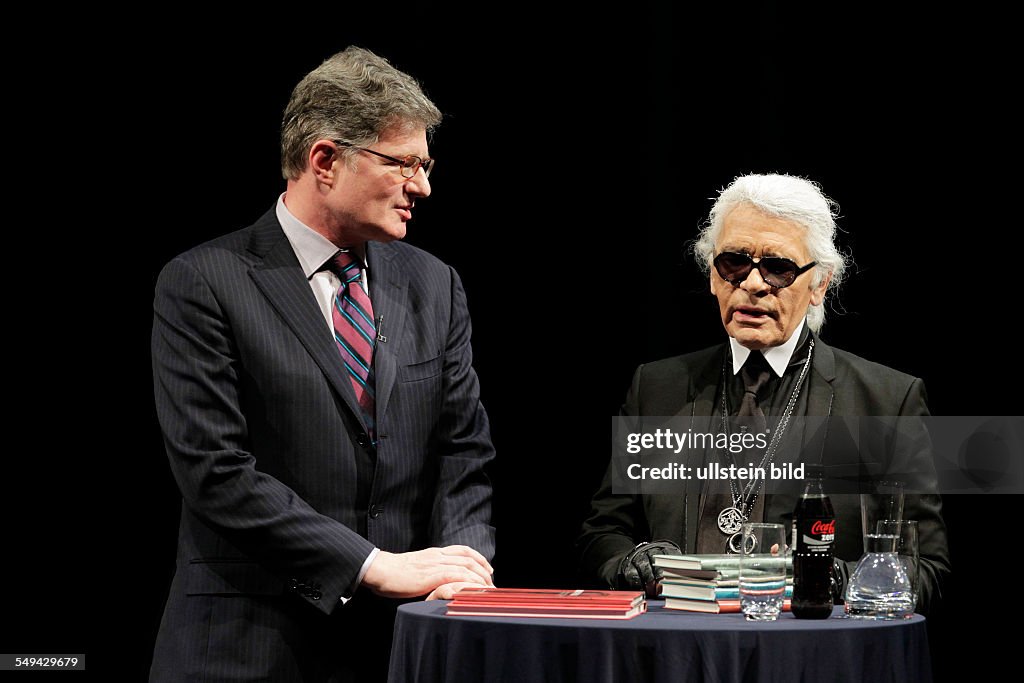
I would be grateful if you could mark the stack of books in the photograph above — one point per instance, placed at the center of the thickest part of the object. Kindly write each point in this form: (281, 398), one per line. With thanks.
(707, 583)
(547, 602)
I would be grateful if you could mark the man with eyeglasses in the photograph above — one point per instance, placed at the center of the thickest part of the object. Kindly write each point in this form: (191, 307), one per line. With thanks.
(768, 247)
(315, 389)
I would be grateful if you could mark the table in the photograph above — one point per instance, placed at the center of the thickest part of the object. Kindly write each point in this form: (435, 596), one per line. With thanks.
(661, 645)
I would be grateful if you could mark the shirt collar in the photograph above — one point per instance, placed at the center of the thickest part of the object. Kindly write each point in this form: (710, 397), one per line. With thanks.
(778, 357)
(310, 247)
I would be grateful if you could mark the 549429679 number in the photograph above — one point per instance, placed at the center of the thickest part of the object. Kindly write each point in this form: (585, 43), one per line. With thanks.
(19, 662)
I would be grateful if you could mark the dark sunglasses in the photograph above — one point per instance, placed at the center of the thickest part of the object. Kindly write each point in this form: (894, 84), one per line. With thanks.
(776, 271)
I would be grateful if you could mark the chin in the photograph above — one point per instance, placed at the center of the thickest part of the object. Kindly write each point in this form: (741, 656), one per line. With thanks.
(399, 232)
(750, 339)
(391, 234)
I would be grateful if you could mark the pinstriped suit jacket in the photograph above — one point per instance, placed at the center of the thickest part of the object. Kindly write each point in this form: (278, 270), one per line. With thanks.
(283, 496)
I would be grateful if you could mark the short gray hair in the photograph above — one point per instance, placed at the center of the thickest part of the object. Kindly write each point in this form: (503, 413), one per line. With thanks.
(354, 96)
(790, 198)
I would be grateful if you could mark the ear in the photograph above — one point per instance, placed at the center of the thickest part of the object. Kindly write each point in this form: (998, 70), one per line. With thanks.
(323, 156)
(818, 293)
(714, 282)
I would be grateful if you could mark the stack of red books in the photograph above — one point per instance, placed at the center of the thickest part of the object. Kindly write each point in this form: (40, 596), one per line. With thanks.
(547, 602)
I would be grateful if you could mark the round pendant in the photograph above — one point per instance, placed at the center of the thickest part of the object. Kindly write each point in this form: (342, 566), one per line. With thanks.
(729, 520)
(737, 543)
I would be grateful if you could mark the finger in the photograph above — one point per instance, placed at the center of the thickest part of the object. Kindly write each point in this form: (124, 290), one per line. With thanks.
(470, 564)
(646, 571)
(480, 575)
(441, 593)
(466, 550)
(458, 575)
(448, 590)
(468, 553)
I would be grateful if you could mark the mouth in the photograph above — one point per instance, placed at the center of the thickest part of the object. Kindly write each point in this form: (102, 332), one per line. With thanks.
(751, 314)
(405, 212)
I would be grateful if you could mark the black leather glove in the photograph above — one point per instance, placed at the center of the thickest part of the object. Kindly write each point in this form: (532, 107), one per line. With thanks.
(637, 570)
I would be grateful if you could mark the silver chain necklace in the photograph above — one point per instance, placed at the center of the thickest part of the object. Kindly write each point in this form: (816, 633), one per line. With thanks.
(731, 519)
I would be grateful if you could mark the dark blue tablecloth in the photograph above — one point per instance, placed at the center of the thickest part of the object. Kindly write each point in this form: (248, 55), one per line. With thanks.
(661, 645)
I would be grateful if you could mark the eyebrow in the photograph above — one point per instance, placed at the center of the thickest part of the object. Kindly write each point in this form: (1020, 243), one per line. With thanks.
(402, 155)
(767, 253)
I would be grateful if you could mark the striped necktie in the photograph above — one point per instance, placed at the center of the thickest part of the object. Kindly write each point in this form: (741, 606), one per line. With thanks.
(355, 332)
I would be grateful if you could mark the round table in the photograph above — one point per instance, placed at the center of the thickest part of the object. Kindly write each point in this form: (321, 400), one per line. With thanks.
(660, 645)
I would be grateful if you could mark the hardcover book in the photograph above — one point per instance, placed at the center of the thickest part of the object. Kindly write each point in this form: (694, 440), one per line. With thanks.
(706, 562)
(547, 602)
(692, 591)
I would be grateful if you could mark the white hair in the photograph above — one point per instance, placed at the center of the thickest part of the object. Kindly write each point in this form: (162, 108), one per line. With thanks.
(790, 198)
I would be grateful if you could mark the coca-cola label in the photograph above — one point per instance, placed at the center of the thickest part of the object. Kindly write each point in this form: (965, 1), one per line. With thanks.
(821, 527)
(816, 535)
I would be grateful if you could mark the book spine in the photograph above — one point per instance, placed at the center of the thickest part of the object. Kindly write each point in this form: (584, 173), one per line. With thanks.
(733, 593)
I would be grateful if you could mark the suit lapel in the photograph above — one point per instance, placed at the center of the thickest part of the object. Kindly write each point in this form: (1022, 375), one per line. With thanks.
(819, 401)
(704, 386)
(702, 391)
(823, 373)
(810, 431)
(281, 280)
(388, 290)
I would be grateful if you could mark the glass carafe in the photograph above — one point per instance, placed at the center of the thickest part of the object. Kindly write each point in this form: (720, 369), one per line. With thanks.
(879, 587)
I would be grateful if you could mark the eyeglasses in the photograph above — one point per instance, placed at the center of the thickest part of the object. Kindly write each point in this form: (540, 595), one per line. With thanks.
(408, 164)
(776, 271)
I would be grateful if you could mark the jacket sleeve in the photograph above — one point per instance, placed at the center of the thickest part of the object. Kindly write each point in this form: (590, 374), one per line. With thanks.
(913, 458)
(462, 502)
(616, 522)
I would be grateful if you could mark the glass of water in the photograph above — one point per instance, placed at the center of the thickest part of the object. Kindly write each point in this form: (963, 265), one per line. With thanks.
(762, 571)
(883, 502)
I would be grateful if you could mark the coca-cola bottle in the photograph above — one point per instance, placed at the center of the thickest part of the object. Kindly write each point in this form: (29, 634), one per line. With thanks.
(814, 535)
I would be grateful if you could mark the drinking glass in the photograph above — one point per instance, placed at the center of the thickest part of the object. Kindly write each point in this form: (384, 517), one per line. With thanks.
(762, 575)
(885, 502)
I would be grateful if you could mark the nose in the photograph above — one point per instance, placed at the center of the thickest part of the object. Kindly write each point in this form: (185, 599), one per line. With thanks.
(754, 283)
(418, 185)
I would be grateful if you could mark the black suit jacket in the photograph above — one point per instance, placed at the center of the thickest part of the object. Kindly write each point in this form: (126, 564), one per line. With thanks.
(284, 496)
(838, 384)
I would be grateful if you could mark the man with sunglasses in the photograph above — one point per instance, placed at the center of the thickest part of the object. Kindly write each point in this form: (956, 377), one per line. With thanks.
(768, 248)
(315, 389)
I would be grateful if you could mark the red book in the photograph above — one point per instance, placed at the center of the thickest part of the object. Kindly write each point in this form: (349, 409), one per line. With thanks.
(548, 602)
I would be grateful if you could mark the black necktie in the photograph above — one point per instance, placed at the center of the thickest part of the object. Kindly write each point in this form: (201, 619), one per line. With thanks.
(719, 495)
(755, 373)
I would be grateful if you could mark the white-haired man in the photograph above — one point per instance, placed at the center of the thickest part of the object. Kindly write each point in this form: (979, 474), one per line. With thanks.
(769, 249)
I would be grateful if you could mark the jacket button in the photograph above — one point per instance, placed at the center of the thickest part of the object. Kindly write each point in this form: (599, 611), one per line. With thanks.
(363, 440)
(375, 511)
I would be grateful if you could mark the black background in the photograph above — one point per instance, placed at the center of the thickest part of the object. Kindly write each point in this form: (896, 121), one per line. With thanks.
(577, 158)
